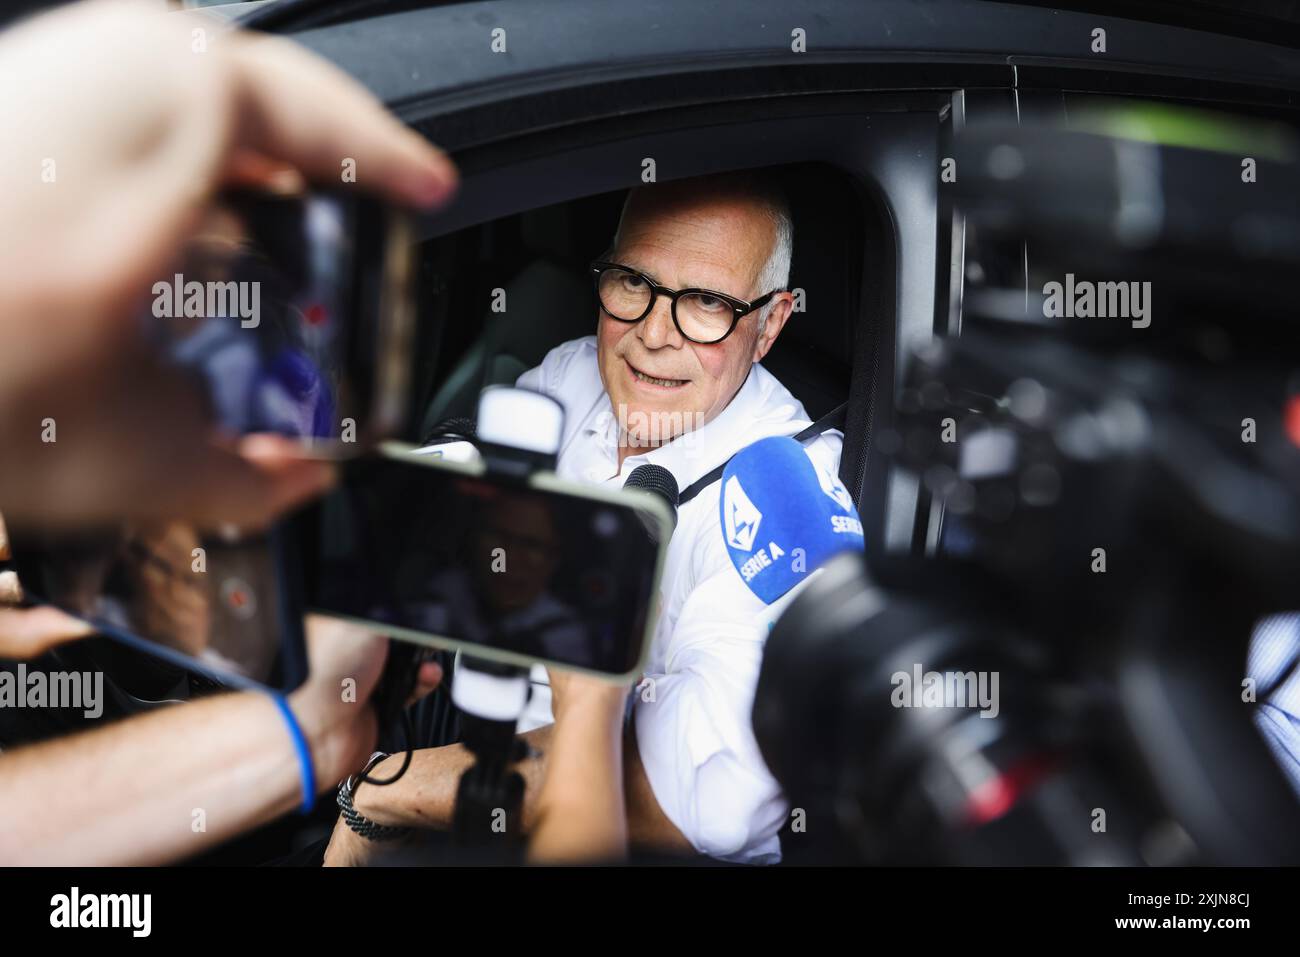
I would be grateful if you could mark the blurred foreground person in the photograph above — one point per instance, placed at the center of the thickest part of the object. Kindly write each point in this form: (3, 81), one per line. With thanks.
(112, 150)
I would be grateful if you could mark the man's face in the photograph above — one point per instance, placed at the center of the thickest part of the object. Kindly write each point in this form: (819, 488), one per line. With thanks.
(525, 529)
(719, 244)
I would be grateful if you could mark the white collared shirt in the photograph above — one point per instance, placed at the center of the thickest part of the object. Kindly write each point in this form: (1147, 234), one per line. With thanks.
(693, 715)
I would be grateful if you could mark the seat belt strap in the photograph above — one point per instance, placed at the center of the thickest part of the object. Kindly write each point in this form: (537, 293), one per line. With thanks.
(834, 419)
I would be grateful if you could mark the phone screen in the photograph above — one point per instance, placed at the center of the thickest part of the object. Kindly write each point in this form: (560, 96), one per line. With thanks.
(294, 314)
(506, 569)
(206, 605)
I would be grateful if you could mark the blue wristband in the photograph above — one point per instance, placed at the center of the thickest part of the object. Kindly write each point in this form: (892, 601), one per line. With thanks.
(305, 767)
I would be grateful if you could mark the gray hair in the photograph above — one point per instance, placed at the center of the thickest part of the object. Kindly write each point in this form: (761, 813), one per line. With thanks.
(776, 271)
(762, 188)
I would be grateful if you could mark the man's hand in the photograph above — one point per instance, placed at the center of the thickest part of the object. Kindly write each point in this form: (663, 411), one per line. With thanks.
(27, 633)
(588, 713)
(426, 795)
(112, 152)
(572, 691)
(580, 810)
(333, 706)
(168, 605)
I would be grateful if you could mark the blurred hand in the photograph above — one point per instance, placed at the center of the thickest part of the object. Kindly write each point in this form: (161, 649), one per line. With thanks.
(346, 661)
(120, 125)
(581, 811)
(573, 692)
(346, 847)
(29, 632)
(168, 603)
(426, 681)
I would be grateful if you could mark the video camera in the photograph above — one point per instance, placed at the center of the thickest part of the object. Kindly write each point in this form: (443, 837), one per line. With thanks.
(1115, 451)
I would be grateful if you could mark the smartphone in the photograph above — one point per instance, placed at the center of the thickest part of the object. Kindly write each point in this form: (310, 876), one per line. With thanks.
(208, 606)
(515, 570)
(296, 316)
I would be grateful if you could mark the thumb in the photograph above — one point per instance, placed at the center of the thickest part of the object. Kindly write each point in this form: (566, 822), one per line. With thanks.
(30, 632)
(427, 681)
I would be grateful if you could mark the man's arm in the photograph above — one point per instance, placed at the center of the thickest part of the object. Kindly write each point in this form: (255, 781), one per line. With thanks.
(580, 814)
(156, 788)
(426, 795)
(166, 785)
(647, 824)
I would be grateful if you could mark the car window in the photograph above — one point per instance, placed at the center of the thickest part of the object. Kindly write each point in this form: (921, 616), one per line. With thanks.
(518, 286)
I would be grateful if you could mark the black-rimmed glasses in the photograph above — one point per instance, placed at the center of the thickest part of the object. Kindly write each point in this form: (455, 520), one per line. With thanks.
(700, 315)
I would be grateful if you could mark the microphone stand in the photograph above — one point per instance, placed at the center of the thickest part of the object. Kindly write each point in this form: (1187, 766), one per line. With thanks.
(490, 795)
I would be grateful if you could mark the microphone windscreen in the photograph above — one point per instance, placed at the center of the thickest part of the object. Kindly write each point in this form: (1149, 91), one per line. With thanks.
(450, 451)
(453, 429)
(657, 480)
(783, 516)
(452, 440)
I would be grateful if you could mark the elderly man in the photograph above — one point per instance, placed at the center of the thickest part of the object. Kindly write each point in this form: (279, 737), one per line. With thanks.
(692, 296)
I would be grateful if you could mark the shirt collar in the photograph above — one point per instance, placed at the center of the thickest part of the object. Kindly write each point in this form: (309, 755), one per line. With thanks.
(750, 415)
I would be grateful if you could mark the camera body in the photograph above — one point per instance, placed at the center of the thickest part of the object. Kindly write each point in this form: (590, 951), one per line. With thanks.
(1119, 499)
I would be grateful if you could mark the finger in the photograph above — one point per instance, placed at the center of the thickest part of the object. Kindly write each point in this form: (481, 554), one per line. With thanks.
(11, 591)
(427, 681)
(230, 490)
(140, 138)
(30, 632)
(251, 169)
(337, 641)
(297, 108)
(262, 478)
(174, 475)
(175, 469)
(281, 465)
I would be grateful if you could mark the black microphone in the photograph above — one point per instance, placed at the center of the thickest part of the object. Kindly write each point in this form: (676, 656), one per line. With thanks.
(656, 480)
(457, 429)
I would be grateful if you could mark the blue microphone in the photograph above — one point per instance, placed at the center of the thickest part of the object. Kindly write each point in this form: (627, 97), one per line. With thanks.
(783, 516)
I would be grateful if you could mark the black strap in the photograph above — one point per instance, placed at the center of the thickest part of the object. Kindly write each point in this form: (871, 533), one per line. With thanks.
(834, 419)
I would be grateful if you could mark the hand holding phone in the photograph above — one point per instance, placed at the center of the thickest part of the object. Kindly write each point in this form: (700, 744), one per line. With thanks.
(295, 313)
(28, 632)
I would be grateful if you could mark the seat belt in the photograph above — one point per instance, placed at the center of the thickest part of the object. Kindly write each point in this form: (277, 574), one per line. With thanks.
(834, 419)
